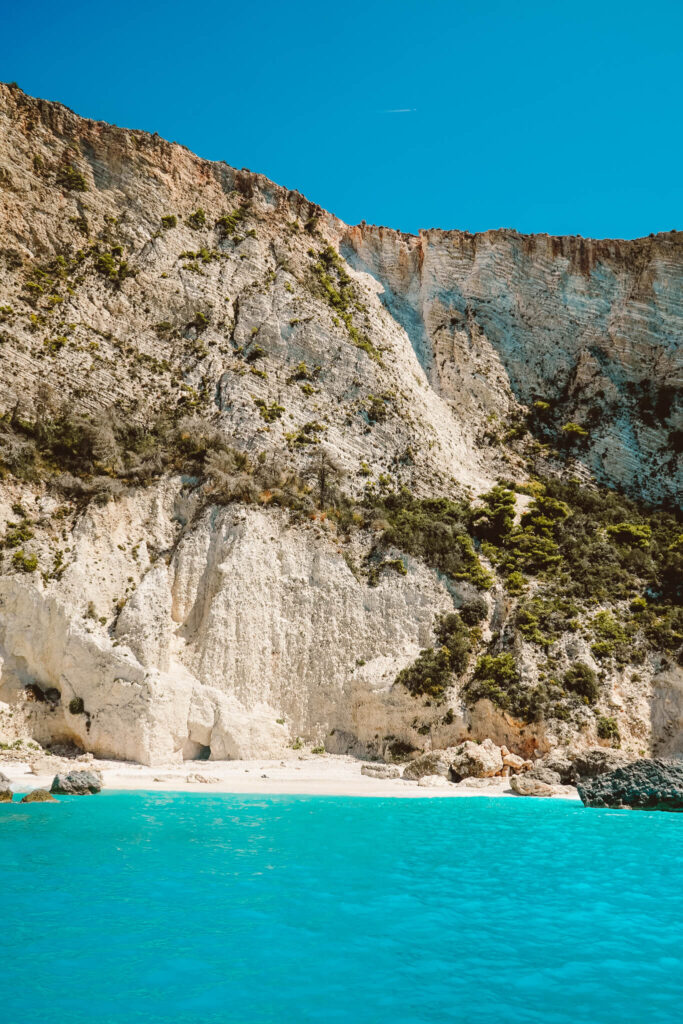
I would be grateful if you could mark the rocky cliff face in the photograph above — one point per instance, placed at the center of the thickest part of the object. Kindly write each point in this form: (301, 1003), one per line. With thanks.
(212, 394)
(592, 328)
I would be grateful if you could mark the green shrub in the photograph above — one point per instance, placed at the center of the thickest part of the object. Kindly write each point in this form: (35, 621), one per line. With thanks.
(336, 287)
(433, 529)
(71, 179)
(114, 269)
(24, 563)
(574, 432)
(375, 569)
(376, 410)
(169, 221)
(635, 535)
(582, 680)
(493, 520)
(229, 221)
(612, 639)
(197, 219)
(76, 706)
(608, 729)
(270, 413)
(434, 670)
(545, 617)
(473, 611)
(16, 535)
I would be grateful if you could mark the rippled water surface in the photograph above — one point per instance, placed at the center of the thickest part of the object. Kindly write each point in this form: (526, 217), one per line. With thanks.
(187, 909)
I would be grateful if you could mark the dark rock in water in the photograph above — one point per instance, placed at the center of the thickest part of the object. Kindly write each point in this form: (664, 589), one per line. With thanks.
(38, 796)
(646, 785)
(77, 783)
(542, 774)
(597, 761)
(5, 790)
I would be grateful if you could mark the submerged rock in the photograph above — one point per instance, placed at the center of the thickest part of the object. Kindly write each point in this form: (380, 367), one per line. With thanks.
(381, 771)
(480, 760)
(649, 785)
(38, 796)
(77, 783)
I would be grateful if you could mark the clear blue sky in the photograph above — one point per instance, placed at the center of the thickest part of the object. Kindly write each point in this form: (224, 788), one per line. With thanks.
(542, 116)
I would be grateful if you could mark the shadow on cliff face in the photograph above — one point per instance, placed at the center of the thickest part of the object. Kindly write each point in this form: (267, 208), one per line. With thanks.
(404, 311)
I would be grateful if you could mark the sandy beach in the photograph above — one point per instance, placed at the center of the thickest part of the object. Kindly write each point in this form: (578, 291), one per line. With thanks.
(312, 775)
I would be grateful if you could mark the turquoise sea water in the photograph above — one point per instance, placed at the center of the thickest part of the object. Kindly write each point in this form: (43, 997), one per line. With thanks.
(224, 909)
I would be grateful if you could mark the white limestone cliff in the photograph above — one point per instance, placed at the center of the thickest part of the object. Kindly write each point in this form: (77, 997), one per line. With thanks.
(177, 627)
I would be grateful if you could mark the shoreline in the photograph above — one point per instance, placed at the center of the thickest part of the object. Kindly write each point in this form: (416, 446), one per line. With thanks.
(306, 775)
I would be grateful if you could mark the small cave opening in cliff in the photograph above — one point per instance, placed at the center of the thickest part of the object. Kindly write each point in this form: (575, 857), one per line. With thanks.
(195, 751)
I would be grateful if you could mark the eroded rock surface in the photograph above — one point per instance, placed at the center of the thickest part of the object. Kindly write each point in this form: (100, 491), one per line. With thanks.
(525, 786)
(478, 760)
(590, 763)
(648, 785)
(38, 796)
(381, 771)
(77, 783)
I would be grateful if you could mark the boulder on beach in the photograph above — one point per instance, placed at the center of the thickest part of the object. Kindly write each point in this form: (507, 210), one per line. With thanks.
(38, 796)
(524, 786)
(436, 762)
(77, 783)
(381, 771)
(648, 785)
(478, 760)
(542, 774)
(560, 763)
(433, 782)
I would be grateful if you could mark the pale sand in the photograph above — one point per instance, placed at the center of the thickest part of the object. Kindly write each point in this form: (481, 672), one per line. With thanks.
(312, 775)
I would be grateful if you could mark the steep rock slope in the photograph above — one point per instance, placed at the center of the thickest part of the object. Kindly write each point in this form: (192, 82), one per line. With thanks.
(592, 328)
(221, 440)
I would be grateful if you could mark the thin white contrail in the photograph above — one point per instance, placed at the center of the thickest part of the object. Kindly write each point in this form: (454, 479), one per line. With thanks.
(401, 110)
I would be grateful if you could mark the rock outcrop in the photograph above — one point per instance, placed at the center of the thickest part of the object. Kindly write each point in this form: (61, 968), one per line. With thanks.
(77, 783)
(476, 760)
(438, 762)
(5, 789)
(434, 782)
(647, 785)
(522, 785)
(542, 774)
(38, 796)
(588, 764)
